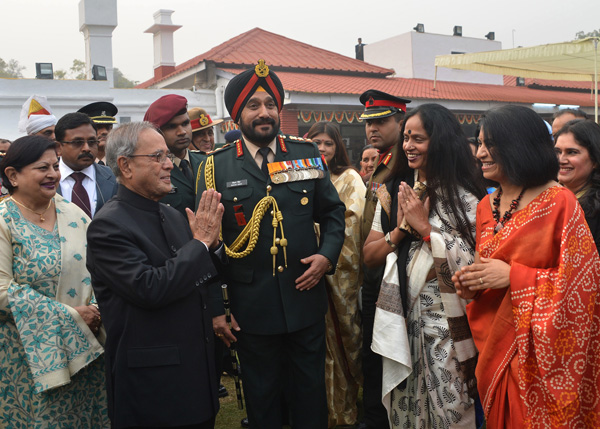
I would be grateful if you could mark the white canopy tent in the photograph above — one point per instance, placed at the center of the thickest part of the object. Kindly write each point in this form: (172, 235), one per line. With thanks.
(574, 61)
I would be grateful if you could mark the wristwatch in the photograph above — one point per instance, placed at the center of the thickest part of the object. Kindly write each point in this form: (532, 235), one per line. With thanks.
(388, 240)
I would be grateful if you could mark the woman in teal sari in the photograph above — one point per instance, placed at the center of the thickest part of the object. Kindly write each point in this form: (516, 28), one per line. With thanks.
(51, 365)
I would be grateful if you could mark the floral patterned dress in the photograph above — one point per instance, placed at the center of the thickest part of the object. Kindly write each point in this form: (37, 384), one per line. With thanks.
(51, 368)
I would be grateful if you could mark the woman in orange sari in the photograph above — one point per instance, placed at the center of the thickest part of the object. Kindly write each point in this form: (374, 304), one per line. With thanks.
(535, 312)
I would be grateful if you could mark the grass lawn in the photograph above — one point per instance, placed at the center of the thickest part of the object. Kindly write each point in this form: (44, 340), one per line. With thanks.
(229, 415)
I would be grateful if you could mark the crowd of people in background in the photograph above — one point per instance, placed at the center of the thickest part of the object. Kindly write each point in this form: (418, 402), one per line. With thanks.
(446, 281)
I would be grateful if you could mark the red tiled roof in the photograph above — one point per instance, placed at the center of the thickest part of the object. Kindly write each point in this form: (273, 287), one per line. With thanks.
(568, 84)
(423, 89)
(278, 52)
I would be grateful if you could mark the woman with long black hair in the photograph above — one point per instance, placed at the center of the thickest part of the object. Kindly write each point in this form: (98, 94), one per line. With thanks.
(424, 230)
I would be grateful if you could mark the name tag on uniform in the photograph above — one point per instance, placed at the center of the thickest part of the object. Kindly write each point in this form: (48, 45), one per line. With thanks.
(237, 183)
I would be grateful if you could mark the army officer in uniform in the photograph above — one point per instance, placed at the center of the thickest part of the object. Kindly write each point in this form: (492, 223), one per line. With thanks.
(275, 187)
(383, 118)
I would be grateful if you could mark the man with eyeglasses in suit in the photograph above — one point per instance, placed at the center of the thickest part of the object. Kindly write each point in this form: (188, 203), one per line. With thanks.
(82, 182)
(151, 271)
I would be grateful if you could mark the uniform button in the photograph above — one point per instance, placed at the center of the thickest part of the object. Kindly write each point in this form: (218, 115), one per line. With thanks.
(280, 269)
(197, 283)
(169, 205)
(204, 277)
(207, 339)
(269, 188)
(209, 275)
(304, 191)
(204, 306)
(234, 199)
(173, 249)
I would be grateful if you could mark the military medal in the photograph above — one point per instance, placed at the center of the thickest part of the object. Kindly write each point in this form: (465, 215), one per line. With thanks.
(297, 170)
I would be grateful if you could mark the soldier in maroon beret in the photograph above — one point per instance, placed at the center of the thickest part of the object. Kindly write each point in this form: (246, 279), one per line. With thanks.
(169, 115)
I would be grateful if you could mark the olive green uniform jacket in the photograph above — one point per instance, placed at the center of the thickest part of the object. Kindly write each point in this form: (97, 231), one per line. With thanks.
(183, 193)
(265, 301)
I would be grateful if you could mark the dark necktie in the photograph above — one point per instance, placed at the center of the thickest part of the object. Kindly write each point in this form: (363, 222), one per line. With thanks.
(264, 151)
(187, 170)
(80, 196)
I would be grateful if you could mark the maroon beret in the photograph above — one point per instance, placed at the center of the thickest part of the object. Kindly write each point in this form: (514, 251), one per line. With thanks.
(164, 109)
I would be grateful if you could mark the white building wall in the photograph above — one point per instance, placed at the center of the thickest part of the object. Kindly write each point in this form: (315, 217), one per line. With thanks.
(412, 55)
(65, 96)
(392, 53)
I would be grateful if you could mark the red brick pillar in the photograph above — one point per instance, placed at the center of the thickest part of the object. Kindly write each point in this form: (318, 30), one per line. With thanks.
(289, 121)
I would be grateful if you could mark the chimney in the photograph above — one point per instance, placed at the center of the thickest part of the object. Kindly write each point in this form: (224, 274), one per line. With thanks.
(97, 21)
(163, 29)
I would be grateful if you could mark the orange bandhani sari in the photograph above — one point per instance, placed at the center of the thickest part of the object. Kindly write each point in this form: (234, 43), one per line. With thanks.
(539, 339)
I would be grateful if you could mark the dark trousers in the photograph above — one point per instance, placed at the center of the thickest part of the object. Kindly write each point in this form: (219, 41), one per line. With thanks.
(206, 425)
(295, 359)
(375, 415)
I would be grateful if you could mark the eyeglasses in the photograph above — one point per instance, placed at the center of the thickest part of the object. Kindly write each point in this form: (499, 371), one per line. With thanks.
(159, 157)
(77, 143)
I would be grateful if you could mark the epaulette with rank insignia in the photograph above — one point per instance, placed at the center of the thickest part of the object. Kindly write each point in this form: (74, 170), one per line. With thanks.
(296, 138)
(225, 146)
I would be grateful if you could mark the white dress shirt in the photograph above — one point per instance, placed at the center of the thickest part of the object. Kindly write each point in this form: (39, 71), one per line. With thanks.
(89, 183)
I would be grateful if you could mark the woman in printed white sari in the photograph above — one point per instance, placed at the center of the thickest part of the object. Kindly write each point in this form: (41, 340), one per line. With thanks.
(423, 228)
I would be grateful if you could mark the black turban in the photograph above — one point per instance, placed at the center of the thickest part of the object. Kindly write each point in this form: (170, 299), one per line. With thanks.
(242, 87)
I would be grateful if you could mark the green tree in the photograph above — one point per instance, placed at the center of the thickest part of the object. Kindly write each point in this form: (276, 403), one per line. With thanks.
(78, 70)
(121, 81)
(583, 35)
(60, 74)
(11, 69)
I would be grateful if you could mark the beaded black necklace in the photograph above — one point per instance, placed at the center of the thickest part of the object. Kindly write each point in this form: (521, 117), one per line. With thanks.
(496, 212)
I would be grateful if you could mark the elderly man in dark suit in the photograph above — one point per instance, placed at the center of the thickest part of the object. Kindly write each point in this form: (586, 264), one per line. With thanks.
(169, 114)
(151, 270)
(82, 182)
(277, 287)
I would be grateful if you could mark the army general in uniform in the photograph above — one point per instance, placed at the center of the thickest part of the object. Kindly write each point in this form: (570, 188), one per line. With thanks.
(275, 187)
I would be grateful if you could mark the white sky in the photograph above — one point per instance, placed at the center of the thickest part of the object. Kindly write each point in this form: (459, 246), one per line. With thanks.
(48, 30)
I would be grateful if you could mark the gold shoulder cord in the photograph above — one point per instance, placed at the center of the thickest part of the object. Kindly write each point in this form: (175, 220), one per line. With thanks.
(252, 229)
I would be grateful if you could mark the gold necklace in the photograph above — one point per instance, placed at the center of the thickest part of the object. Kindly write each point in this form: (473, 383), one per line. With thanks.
(41, 215)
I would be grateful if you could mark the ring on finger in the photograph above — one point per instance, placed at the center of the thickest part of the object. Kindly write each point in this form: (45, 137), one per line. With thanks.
(480, 280)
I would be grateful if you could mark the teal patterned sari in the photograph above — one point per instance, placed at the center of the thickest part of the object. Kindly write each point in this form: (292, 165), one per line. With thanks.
(51, 364)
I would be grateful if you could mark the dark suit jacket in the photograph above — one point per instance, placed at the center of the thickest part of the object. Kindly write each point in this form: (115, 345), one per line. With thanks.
(106, 185)
(150, 279)
(263, 302)
(183, 193)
